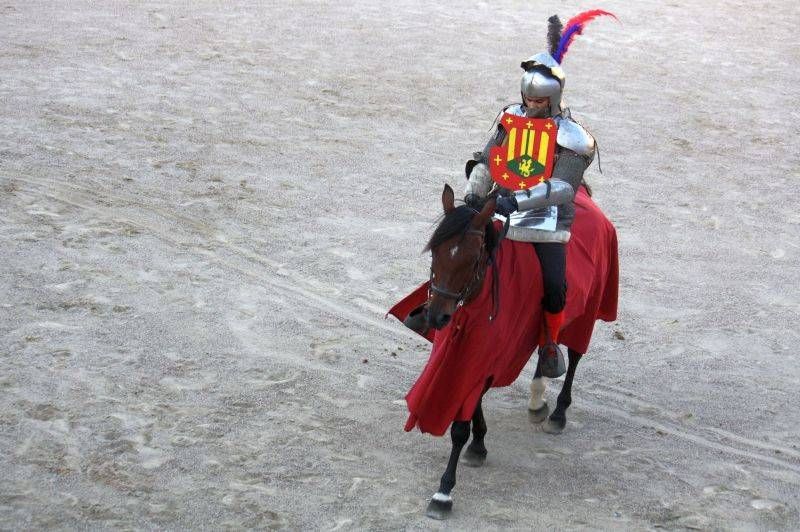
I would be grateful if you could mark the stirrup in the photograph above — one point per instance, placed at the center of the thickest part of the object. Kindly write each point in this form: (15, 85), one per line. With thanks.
(551, 361)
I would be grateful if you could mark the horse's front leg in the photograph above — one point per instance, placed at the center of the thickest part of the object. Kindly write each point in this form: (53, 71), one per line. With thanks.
(537, 408)
(441, 504)
(558, 420)
(475, 455)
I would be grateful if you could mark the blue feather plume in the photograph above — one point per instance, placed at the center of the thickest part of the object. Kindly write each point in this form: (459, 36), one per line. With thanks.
(564, 43)
(575, 27)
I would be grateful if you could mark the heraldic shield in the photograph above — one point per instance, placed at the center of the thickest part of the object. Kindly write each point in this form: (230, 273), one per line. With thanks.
(527, 155)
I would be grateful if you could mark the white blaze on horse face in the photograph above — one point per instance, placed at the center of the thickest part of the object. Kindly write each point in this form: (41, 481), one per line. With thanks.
(453, 251)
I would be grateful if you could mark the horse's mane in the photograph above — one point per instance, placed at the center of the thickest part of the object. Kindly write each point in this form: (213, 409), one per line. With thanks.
(456, 222)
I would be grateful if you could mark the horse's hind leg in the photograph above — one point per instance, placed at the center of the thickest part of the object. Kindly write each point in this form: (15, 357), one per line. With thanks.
(558, 419)
(537, 407)
(442, 504)
(475, 455)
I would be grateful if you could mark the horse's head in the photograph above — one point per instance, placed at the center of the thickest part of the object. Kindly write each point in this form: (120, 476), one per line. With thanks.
(459, 250)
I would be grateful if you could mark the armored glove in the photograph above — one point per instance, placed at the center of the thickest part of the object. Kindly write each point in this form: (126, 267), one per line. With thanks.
(506, 205)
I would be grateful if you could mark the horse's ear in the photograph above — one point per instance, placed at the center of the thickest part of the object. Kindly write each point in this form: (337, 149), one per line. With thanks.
(448, 199)
(483, 217)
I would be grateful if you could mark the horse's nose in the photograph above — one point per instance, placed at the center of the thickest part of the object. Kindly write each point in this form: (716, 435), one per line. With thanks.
(438, 320)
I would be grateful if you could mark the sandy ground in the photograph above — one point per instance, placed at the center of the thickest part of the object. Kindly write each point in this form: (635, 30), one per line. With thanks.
(206, 209)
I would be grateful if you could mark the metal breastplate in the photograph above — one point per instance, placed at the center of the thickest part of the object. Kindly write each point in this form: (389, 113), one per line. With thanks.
(551, 224)
(546, 224)
(544, 219)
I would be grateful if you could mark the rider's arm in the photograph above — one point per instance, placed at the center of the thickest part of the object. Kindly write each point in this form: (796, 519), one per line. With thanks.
(495, 140)
(479, 181)
(567, 177)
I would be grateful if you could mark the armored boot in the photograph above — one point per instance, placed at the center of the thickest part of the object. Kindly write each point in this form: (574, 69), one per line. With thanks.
(551, 360)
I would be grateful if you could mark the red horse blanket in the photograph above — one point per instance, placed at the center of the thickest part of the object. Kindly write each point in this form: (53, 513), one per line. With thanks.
(470, 350)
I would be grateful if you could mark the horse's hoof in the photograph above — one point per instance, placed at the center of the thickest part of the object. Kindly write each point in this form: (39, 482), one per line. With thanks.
(439, 509)
(540, 414)
(472, 458)
(554, 427)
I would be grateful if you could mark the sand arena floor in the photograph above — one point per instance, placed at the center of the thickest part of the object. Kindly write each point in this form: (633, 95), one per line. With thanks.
(206, 209)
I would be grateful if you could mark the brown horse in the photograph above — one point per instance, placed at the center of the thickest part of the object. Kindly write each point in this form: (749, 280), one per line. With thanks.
(481, 309)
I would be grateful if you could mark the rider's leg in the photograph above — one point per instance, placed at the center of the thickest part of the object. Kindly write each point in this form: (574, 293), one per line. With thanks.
(554, 321)
(553, 260)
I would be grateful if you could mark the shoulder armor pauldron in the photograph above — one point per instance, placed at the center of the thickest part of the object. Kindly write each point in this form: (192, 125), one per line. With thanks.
(573, 136)
(513, 109)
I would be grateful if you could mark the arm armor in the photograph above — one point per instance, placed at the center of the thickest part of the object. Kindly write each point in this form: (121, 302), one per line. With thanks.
(551, 192)
(560, 188)
(480, 182)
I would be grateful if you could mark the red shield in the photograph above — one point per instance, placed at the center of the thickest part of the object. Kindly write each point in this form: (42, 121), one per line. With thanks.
(526, 157)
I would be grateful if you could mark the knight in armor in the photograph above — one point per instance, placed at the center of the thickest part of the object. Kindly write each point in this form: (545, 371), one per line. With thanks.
(543, 213)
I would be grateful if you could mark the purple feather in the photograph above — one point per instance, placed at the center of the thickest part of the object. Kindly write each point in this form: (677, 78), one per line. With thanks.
(575, 27)
(566, 39)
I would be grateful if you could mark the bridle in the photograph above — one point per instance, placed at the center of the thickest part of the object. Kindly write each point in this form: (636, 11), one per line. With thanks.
(477, 275)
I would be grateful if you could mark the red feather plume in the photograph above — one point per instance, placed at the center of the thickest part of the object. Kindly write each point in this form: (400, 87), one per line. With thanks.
(575, 25)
